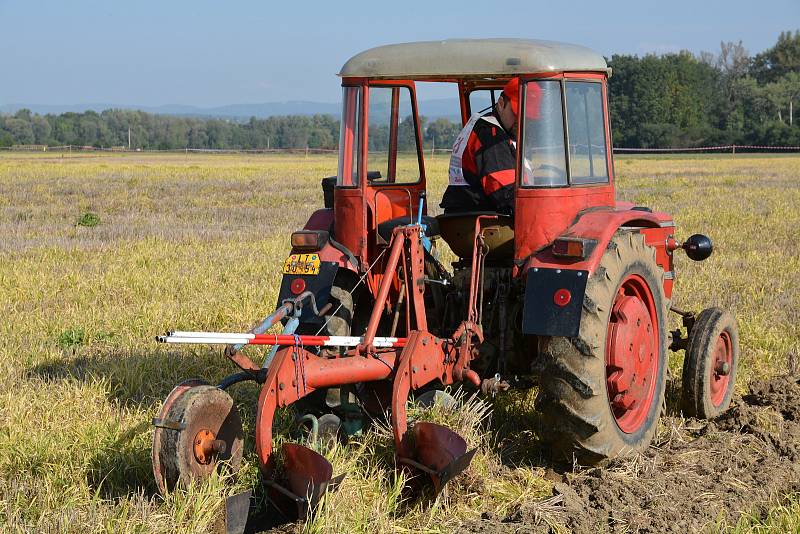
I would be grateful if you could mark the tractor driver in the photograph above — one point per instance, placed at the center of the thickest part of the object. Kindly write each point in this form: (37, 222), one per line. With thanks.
(484, 159)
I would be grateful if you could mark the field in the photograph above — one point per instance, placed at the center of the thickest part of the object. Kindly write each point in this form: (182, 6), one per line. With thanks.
(196, 243)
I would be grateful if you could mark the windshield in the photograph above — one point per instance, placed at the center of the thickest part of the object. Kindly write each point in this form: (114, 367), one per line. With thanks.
(392, 137)
(544, 157)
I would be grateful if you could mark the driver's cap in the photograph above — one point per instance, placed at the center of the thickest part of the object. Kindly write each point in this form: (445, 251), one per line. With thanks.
(511, 90)
(533, 102)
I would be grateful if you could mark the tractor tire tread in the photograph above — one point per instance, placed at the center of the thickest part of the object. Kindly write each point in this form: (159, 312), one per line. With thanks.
(577, 425)
(563, 370)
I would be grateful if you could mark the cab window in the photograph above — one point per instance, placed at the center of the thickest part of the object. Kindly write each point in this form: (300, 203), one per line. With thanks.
(393, 155)
(349, 140)
(544, 161)
(588, 158)
(482, 100)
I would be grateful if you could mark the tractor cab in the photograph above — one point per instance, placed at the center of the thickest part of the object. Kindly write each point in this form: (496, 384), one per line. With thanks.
(563, 164)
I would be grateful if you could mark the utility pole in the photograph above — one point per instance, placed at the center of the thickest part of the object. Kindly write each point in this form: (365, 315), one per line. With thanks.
(129, 137)
(790, 112)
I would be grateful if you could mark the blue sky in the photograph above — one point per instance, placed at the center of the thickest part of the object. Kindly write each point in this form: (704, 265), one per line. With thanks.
(209, 53)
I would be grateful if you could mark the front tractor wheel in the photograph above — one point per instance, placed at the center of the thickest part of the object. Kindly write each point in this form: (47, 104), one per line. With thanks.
(709, 368)
(602, 392)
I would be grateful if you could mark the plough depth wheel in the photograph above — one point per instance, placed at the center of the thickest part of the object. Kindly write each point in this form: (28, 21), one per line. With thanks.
(198, 429)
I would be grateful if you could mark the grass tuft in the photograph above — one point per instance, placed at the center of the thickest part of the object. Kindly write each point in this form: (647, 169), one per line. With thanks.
(70, 338)
(88, 219)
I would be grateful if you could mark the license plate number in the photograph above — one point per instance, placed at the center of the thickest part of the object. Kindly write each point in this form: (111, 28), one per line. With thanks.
(301, 264)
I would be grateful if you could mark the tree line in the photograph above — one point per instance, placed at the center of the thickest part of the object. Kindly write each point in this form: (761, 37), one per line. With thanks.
(115, 127)
(655, 101)
(724, 98)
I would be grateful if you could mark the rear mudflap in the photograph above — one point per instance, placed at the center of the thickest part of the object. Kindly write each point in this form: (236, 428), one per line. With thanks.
(319, 284)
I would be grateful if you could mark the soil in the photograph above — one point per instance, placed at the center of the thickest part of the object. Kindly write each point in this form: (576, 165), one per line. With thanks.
(698, 475)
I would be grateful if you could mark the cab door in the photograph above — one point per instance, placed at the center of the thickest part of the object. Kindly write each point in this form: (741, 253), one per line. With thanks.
(392, 153)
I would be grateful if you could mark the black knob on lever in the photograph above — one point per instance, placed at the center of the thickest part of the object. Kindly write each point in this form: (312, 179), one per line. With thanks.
(698, 247)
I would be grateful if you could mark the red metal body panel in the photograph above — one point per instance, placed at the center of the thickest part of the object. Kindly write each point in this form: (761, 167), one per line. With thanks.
(657, 238)
(320, 220)
(350, 226)
(542, 214)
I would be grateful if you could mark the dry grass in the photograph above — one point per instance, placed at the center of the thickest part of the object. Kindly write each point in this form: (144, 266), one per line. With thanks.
(195, 242)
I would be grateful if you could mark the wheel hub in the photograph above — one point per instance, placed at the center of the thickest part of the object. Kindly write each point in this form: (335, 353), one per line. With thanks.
(720, 368)
(207, 447)
(632, 354)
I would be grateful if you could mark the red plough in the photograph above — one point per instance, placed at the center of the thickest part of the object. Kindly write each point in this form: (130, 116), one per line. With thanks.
(429, 450)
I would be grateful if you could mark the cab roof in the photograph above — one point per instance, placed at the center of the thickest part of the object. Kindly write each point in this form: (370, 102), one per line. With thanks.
(472, 58)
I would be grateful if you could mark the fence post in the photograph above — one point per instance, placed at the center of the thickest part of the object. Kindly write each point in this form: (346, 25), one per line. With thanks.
(733, 151)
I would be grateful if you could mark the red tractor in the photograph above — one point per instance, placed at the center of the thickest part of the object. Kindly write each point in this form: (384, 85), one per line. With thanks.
(573, 291)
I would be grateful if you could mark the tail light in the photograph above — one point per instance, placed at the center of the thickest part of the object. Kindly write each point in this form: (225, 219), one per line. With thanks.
(309, 239)
(573, 247)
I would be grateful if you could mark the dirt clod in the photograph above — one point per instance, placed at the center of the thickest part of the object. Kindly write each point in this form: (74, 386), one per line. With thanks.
(697, 474)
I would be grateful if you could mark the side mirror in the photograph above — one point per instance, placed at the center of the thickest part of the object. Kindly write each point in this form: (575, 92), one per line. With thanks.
(698, 247)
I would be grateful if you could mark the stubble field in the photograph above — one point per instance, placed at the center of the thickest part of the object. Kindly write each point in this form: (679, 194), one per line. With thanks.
(196, 243)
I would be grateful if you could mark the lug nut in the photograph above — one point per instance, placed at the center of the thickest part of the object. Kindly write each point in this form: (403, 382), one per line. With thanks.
(722, 368)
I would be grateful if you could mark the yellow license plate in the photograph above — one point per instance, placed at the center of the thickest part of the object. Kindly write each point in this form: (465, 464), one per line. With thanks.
(301, 264)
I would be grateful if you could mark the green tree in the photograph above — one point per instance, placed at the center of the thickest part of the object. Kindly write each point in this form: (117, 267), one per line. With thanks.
(442, 133)
(20, 130)
(778, 61)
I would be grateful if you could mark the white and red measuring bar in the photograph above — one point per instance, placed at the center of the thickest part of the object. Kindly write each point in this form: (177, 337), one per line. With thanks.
(222, 338)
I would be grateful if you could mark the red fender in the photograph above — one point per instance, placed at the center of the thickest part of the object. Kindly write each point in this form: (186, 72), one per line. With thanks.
(599, 225)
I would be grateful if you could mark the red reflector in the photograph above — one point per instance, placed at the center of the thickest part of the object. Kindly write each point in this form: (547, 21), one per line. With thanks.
(298, 286)
(562, 297)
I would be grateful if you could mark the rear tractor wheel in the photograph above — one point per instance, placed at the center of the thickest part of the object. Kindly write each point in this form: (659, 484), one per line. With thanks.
(602, 392)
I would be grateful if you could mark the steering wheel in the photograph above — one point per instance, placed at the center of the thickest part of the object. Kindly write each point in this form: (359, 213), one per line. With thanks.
(546, 167)
(552, 174)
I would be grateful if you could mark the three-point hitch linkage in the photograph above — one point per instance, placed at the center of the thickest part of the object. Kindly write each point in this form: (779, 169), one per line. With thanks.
(292, 371)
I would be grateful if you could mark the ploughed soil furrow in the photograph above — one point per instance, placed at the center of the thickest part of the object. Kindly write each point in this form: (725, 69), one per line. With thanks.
(698, 475)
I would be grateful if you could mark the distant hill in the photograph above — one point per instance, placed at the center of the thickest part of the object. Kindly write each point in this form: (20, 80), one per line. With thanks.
(433, 109)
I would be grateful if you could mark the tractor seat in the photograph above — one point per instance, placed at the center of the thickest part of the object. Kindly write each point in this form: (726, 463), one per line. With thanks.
(386, 227)
(458, 231)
